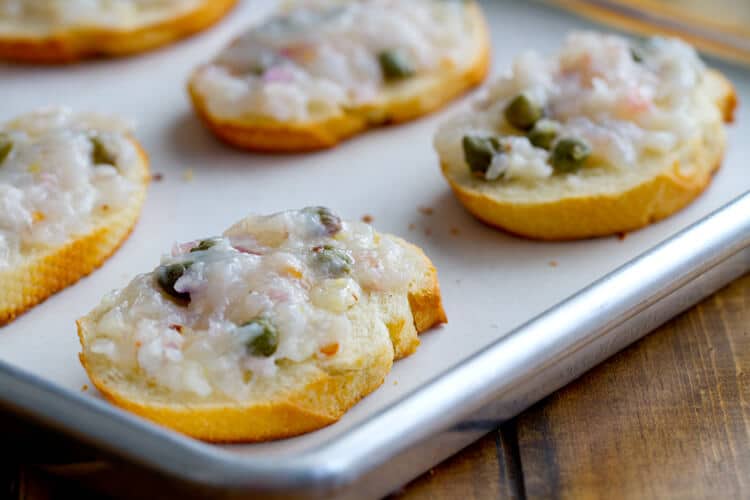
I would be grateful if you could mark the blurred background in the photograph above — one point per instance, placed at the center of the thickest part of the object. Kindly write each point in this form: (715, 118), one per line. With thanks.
(718, 27)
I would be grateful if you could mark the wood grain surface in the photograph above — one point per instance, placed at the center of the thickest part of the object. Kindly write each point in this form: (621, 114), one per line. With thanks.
(668, 417)
(486, 469)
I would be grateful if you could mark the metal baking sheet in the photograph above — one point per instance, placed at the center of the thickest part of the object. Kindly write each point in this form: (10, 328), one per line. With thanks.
(512, 337)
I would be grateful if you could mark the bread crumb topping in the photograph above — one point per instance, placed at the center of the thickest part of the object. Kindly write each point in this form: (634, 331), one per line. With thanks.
(221, 313)
(319, 57)
(60, 171)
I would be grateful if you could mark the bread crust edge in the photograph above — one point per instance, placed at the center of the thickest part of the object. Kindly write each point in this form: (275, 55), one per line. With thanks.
(50, 272)
(271, 136)
(580, 217)
(72, 46)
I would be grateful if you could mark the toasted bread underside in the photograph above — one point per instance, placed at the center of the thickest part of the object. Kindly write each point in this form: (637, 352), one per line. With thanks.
(400, 103)
(302, 396)
(614, 205)
(68, 46)
(46, 272)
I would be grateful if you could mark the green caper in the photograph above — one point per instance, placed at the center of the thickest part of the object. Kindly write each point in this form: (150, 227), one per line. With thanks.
(395, 65)
(205, 245)
(333, 261)
(6, 145)
(168, 274)
(640, 47)
(100, 155)
(263, 62)
(569, 155)
(543, 134)
(522, 112)
(479, 151)
(636, 55)
(262, 337)
(330, 221)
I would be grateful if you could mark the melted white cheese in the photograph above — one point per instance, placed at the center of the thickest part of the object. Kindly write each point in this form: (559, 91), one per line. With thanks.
(319, 57)
(51, 189)
(625, 99)
(267, 267)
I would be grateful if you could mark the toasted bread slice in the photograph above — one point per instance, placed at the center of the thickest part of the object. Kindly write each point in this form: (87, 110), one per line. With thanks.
(299, 396)
(395, 102)
(598, 202)
(43, 271)
(63, 44)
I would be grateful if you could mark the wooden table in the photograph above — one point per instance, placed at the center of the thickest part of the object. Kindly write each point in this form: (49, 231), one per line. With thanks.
(668, 417)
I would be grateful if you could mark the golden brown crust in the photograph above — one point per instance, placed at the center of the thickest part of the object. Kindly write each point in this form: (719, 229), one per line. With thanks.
(425, 301)
(729, 103)
(425, 307)
(604, 214)
(320, 403)
(77, 44)
(43, 275)
(591, 216)
(267, 135)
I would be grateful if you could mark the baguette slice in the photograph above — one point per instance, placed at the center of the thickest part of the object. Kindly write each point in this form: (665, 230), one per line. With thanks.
(42, 273)
(396, 103)
(68, 45)
(604, 204)
(301, 396)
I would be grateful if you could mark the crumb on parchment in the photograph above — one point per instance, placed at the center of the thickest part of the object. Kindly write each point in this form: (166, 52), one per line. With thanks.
(157, 177)
(367, 219)
(425, 210)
